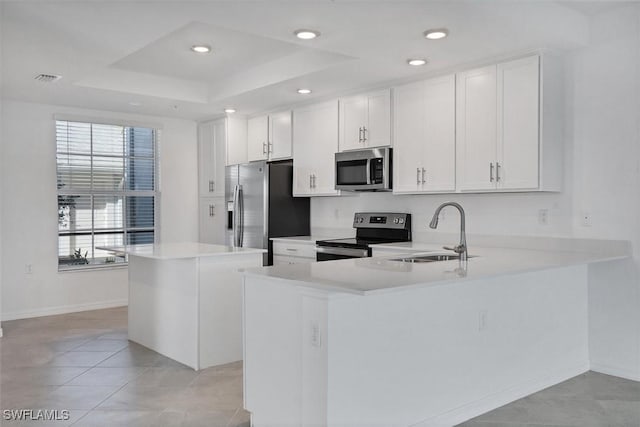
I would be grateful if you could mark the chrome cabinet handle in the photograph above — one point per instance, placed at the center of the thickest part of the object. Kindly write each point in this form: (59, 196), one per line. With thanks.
(314, 180)
(497, 172)
(310, 181)
(210, 186)
(364, 134)
(417, 175)
(212, 210)
(292, 250)
(264, 148)
(270, 147)
(423, 179)
(491, 172)
(360, 135)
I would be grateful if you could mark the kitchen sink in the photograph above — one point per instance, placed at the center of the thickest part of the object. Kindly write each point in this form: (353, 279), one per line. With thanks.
(430, 258)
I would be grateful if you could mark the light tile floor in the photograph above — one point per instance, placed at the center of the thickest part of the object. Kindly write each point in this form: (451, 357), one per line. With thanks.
(83, 362)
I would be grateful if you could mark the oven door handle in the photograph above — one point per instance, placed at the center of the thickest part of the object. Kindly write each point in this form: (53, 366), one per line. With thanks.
(331, 250)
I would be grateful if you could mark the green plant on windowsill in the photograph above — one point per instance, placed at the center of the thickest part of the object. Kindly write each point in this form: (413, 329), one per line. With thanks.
(78, 258)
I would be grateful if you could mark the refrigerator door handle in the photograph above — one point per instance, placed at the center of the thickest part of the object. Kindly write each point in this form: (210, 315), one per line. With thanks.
(240, 221)
(236, 225)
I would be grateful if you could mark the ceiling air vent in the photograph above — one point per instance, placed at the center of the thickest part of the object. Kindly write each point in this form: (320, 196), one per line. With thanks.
(47, 78)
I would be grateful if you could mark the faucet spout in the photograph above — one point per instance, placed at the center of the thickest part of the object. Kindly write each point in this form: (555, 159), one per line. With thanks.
(461, 249)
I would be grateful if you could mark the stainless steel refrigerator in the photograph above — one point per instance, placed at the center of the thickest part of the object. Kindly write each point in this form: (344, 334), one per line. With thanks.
(260, 205)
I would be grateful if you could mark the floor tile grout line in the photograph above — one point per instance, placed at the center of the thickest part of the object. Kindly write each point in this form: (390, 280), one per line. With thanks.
(99, 403)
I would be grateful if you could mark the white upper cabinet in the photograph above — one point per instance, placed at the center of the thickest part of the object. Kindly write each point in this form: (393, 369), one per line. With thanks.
(280, 135)
(269, 137)
(258, 138)
(236, 137)
(477, 128)
(503, 142)
(315, 142)
(424, 136)
(211, 158)
(365, 121)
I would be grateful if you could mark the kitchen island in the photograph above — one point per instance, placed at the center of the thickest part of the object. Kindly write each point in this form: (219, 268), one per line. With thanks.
(382, 342)
(185, 300)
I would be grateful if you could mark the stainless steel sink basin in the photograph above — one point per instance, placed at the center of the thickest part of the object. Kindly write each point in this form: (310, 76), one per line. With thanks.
(429, 258)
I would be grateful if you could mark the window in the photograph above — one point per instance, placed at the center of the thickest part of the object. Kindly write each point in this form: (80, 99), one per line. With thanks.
(106, 191)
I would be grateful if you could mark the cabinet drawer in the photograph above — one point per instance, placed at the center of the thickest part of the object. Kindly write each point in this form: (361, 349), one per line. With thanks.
(285, 260)
(295, 249)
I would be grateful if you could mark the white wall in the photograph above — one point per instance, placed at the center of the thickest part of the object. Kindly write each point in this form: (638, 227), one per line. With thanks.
(29, 223)
(601, 178)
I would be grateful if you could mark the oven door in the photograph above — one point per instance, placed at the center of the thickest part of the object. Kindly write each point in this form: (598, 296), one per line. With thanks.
(331, 253)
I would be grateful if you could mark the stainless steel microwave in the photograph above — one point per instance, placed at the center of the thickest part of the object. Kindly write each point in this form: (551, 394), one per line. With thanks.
(364, 170)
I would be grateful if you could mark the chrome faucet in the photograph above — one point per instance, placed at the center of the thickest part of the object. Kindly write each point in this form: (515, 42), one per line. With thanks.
(461, 249)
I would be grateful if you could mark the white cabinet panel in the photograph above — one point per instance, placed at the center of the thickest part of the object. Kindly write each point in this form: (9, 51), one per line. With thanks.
(518, 124)
(257, 138)
(212, 220)
(365, 121)
(211, 155)
(315, 142)
(476, 128)
(424, 132)
(236, 129)
(280, 135)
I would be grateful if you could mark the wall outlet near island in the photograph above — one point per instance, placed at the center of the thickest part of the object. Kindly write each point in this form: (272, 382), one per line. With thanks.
(28, 269)
(543, 217)
(586, 219)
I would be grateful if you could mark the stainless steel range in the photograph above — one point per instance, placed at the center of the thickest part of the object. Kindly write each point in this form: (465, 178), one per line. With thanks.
(371, 228)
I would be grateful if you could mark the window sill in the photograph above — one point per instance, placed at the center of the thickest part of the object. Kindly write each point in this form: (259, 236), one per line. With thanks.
(92, 268)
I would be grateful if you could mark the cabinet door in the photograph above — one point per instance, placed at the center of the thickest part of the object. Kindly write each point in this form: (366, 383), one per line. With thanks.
(518, 124)
(280, 135)
(476, 113)
(303, 141)
(257, 138)
(236, 136)
(353, 117)
(377, 131)
(219, 155)
(408, 121)
(325, 145)
(212, 220)
(206, 158)
(439, 149)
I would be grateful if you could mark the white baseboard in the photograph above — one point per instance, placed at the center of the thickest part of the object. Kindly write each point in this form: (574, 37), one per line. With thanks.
(63, 309)
(496, 400)
(629, 374)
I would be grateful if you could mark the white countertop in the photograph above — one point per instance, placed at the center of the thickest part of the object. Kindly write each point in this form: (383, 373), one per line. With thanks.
(366, 276)
(182, 250)
(311, 240)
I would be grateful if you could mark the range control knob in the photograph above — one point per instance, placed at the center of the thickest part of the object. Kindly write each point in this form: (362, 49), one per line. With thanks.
(396, 220)
(401, 220)
(360, 220)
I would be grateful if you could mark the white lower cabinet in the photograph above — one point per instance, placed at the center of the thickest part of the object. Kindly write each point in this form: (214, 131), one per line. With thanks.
(293, 252)
(315, 142)
(212, 220)
(424, 142)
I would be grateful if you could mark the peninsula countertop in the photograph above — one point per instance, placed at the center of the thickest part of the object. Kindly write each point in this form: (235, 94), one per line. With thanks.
(181, 250)
(365, 276)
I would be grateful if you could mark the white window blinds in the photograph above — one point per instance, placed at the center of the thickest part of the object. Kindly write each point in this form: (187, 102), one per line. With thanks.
(106, 191)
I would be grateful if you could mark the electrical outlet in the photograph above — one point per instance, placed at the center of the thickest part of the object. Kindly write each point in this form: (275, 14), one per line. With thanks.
(543, 217)
(586, 219)
(28, 269)
(482, 320)
(316, 338)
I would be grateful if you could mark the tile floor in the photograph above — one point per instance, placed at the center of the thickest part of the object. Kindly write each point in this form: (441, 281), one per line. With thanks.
(83, 362)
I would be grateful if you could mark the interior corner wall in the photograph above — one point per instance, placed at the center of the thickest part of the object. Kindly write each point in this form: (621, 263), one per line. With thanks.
(29, 227)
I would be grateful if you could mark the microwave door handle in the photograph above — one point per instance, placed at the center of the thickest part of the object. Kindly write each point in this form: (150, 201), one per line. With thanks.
(368, 171)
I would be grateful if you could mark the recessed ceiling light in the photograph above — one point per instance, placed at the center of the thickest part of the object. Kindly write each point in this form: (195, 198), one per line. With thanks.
(201, 48)
(304, 91)
(306, 34)
(135, 104)
(416, 62)
(436, 33)
(230, 110)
